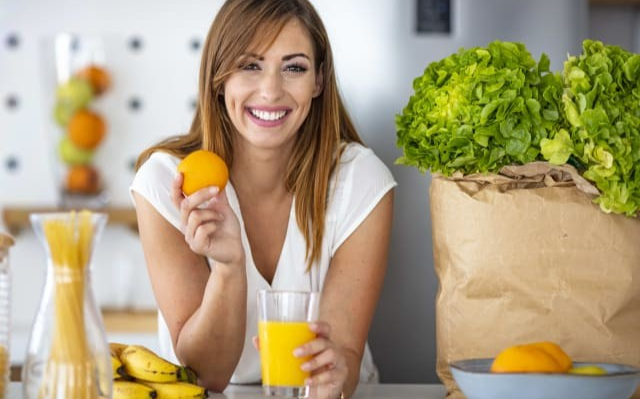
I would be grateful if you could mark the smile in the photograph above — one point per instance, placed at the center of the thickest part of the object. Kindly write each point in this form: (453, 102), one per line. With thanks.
(268, 116)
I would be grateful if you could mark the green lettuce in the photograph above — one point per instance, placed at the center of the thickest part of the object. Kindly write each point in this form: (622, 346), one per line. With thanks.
(601, 102)
(479, 110)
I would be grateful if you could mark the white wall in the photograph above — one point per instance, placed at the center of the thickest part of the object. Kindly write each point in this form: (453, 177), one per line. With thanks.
(378, 54)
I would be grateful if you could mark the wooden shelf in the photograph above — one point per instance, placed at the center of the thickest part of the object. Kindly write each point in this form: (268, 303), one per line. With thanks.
(133, 321)
(17, 218)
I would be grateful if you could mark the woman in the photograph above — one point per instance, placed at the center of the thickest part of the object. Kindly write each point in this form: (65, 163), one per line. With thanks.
(307, 207)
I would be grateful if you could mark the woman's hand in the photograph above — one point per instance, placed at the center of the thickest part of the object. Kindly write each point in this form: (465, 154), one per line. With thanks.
(328, 365)
(209, 225)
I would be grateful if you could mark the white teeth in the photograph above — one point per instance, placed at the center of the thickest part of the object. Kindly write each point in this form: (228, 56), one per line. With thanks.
(268, 116)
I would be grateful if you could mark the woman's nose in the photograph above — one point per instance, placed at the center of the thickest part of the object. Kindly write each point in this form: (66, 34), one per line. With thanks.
(271, 86)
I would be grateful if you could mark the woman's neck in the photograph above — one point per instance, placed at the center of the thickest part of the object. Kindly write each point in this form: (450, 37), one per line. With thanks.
(260, 174)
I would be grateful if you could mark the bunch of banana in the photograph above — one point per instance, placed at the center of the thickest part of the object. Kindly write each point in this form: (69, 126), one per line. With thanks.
(116, 349)
(140, 373)
(123, 389)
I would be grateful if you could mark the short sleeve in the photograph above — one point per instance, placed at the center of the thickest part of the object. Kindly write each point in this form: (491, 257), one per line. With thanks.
(362, 179)
(153, 182)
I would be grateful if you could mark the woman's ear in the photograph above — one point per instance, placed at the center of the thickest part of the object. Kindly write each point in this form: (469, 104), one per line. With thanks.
(319, 82)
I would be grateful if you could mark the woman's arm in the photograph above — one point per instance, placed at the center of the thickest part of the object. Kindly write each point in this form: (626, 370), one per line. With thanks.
(349, 299)
(205, 309)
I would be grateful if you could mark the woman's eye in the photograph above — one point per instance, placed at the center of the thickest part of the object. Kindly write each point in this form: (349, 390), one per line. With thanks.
(296, 68)
(252, 66)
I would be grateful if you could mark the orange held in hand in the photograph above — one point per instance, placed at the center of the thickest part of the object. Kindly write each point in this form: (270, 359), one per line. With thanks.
(539, 357)
(86, 129)
(201, 169)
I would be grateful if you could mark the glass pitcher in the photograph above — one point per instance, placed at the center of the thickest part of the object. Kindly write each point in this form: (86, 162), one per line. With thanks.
(6, 242)
(67, 355)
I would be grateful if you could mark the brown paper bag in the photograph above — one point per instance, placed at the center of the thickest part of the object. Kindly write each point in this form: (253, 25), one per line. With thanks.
(526, 256)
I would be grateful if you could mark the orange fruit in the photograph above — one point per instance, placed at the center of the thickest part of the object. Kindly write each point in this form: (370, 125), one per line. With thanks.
(556, 351)
(538, 357)
(83, 179)
(86, 129)
(98, 78)
(201, 169)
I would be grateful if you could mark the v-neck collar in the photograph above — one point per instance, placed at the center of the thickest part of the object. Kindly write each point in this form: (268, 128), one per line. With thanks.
(234, 202)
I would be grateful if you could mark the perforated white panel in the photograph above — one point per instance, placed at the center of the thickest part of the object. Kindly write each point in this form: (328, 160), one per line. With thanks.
(152, 51)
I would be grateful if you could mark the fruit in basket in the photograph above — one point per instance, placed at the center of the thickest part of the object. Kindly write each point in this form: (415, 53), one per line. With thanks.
(82, 179)
(74, 94)
(538, 357)
(143, 364)
(201, 169)
(73, 155)
(98, 78)
(86, 129)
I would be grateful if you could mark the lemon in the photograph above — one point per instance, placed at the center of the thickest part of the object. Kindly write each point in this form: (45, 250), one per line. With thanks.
(588, 370)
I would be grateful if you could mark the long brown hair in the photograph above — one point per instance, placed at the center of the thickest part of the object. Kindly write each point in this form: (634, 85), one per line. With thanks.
(321, 137)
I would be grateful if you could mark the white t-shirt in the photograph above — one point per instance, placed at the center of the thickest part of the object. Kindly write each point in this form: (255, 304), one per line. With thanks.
(360, 181)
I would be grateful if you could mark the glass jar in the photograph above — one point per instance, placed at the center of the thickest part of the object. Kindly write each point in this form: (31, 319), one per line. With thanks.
(68, 354)
(6, 242)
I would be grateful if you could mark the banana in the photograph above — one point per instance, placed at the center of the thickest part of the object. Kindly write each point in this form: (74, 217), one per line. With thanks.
(116, 365)
(177, 390)
(116, 349)
(141, 363)
(132, 390)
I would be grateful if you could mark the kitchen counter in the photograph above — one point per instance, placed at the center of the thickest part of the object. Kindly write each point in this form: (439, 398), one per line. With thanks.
(365, 391)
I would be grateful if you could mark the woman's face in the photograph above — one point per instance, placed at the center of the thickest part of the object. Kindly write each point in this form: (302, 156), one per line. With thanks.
(270, 95)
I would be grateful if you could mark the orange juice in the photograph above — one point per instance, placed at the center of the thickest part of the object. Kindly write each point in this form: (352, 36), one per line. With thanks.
(277, 342)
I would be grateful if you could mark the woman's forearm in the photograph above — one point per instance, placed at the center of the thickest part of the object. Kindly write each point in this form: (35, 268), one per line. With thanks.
(211, 341)
(353, 377)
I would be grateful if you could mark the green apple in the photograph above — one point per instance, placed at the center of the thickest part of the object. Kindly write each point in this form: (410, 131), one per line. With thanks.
(62, 113)
(72, 155)
(75, 93)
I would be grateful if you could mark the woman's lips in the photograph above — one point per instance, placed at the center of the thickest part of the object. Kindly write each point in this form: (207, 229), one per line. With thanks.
(268, 117)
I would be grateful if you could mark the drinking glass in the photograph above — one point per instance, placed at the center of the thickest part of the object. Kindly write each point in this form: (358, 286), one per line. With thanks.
(283, 325)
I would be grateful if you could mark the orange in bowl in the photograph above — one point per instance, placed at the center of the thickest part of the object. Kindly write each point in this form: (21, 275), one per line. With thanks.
(201, 169)
(538, 357)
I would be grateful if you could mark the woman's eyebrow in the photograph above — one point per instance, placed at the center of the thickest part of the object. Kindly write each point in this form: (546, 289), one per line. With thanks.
(290, 56)
(284, 58)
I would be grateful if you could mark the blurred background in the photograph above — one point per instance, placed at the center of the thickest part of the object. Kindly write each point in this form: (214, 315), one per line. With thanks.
(151, 50)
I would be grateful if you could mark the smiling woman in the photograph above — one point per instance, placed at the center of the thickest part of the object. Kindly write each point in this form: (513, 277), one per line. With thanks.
(270, 97)
(307, 208)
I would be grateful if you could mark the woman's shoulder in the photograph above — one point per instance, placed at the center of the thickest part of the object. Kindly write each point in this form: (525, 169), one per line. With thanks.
(356, 159)
(157, 172)
(157, 167)
(153, 181)
(160, 160)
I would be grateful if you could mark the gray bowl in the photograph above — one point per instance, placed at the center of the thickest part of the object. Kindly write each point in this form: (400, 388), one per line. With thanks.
(476, 381)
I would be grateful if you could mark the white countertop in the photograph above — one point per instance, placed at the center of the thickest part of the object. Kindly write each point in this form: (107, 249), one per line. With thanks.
(365, 391)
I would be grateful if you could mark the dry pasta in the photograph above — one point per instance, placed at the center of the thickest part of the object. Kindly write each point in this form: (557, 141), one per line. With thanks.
(70, 371)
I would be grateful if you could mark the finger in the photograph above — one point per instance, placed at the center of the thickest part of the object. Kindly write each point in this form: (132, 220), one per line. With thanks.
(321, 328)
(312, 347)
(327, 359)
(176, 190)
(256, 342)
(199, 219)
(203, 236)
(334, 376)
(220, 203)
(193, 201)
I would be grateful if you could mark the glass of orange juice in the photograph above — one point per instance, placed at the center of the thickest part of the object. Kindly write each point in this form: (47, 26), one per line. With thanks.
(283, 325)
